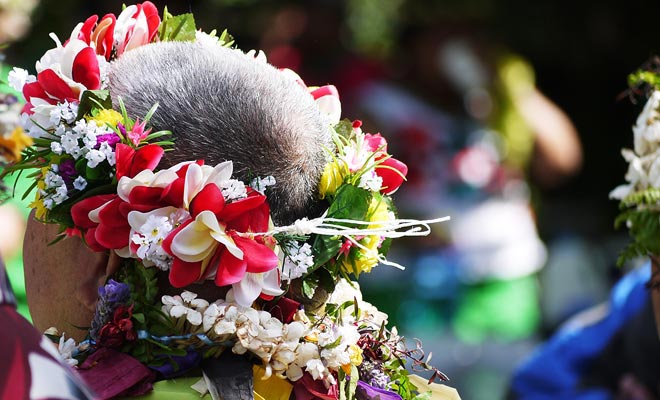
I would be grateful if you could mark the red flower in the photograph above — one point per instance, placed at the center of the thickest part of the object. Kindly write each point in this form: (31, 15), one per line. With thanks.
(118, 331)
(101, 34)
(130, 161)
(227, 252)
(137, 25)
(391, 170)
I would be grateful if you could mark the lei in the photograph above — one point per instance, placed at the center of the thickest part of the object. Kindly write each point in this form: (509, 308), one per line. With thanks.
(95, 175)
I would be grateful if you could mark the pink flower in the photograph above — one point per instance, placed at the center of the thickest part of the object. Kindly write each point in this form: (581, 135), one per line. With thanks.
(392, 171)
(138, 134)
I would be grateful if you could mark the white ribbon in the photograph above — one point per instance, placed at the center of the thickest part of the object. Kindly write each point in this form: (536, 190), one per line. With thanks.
(329, 227)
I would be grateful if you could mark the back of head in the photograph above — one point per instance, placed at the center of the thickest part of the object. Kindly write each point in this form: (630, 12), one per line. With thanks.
(222, 104)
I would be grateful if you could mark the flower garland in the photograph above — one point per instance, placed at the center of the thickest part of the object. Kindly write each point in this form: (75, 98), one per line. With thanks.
(95, 175)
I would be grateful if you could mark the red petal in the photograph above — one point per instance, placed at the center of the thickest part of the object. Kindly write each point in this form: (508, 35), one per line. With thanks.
(54, 86)
(173, 193)
(209, 198)
(145, 198)
(255, 220)
(85, 69)
(113, 237)
(327, 90)
(259, 257)
(391, 179)
(146, 157)
(35, 90)
(104, 34)
(85, 33)
(112, 216)
(184, 273)
(80, 210)
(90, 240)
(124, 157)
(236, 208)
(230, 269)
(153, 20)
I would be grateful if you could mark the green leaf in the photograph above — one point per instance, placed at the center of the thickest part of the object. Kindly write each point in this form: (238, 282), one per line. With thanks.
(92, 99)
(350, 202)
(139, 317)
(180, 28)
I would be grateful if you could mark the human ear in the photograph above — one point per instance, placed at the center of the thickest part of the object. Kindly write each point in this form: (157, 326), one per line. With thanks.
(62, 279)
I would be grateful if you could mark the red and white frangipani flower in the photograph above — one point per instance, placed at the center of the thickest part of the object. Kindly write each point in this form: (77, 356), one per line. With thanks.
(63, 74)
(98, 35)
(187, 214)
(137, 25)
(217, 241)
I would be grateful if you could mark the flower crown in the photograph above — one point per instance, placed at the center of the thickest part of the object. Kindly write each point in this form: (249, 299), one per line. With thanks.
(95, 174)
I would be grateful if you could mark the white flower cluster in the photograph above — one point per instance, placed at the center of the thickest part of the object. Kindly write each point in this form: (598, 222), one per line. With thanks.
(286, 350)
(297, 261)
(55, 191)
(149, 230)
(371, 181)
(261, 184)
(644, 161)
(81, 141)
(233, 189)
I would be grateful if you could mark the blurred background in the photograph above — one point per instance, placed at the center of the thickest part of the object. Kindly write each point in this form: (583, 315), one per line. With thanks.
(510, 115)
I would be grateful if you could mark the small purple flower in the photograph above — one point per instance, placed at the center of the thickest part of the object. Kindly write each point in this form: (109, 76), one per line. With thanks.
(67, 170)
(111, 295)
(111, 138)
(114, 292)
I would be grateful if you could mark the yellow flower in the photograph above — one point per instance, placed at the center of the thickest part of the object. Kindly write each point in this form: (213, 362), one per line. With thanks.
(360, 260)
(378, 212)
(39, 208)
(11, 145)
(332, 178)
(103, 117)
(355, 355)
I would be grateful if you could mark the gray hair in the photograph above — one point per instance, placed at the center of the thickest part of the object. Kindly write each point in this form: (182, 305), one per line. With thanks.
(223, 105)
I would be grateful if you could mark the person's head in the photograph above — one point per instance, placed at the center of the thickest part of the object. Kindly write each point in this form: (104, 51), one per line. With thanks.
(220, 105)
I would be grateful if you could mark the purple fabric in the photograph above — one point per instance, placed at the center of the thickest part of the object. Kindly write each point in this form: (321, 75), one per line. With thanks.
(365, 391)
(179, 365)
(111, 373)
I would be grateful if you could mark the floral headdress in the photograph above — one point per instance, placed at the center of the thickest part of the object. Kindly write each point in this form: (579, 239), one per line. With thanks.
(640, 196)
(95, 175)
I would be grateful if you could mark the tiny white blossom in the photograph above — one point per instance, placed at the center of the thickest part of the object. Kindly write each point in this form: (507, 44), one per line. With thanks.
(108, 152)
(61, 194)
(260, 184)
(18, 77)
(371, 181)
(299, 260)
(79, 183)
(56, 148)
(94, 158)
(233, 189)
(67, 349)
